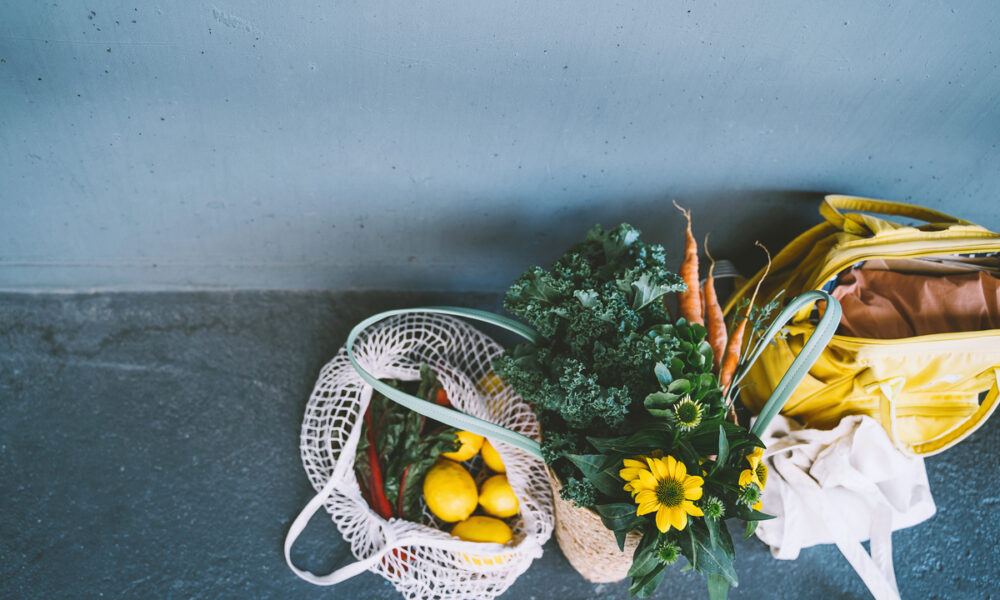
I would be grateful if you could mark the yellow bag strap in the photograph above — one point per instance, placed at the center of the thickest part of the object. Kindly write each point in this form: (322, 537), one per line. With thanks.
(832, 209)
(790, 255)
(833, 205)
(890, 392)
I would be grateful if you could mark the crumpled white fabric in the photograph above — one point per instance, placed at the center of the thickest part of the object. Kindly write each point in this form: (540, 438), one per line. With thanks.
(842, 486)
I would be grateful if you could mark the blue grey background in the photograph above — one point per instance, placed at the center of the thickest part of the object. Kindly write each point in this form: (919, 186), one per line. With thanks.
(445, 145)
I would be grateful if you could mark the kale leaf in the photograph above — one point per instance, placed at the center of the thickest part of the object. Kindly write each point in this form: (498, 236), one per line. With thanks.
(595, 307)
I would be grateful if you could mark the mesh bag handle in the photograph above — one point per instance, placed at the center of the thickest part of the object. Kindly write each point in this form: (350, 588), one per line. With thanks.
(825, 329)
(442, 414)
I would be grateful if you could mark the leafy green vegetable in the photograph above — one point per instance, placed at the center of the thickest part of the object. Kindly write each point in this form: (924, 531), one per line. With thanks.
(595, 307)
(396, 449)
(615, 379)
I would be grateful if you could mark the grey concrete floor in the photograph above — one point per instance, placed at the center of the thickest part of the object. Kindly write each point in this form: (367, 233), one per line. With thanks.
(149, 449)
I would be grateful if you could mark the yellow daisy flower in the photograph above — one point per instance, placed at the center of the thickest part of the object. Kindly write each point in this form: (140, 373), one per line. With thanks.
(662, 485)
(757, 473)
(632, 465)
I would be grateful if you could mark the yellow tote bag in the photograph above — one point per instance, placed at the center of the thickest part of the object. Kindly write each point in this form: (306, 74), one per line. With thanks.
(925, 390)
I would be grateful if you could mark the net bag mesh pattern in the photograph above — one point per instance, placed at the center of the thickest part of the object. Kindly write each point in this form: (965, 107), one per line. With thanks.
(424, 561)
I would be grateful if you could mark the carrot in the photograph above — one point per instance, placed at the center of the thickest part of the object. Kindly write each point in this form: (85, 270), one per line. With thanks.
(732, 359)
(715, 321)
(689, 302)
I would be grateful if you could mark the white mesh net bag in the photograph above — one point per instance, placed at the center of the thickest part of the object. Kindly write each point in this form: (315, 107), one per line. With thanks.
(420, 560)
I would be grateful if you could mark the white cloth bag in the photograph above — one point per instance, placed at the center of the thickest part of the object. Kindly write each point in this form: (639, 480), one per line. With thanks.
(418, 558)
(842, 486)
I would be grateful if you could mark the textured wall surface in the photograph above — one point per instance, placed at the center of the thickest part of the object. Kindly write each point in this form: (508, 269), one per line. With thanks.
(446, 145)
(149, 448)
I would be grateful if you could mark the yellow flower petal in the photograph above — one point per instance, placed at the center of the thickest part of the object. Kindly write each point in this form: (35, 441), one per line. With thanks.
(633, 464)
(646, 508)
(659, 468)
(746, 477)
(755, 457)
(671, 465)
(680, 471)
(663, 519)
(691, 509)
(645, 480)
(693, 494)
(761, 473)
(645, 496)
(678, 518)
(758, 506)
(693, 481)
(630, 473)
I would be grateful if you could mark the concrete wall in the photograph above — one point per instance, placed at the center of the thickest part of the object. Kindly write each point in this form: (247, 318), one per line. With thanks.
(447, 145)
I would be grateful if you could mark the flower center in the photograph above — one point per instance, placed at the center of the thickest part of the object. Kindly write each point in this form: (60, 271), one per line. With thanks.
(688, 414)
(670, 493)
(750, 494)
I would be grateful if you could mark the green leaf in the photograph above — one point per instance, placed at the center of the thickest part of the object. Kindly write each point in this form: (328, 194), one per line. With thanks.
(654, 437)
(679, 387)
(620, 536)
(706, 381)
(660, 404)
(751, 528)
(594, 468)
(748, 514)
(648, 583)
(648, 289)
(720, 538)
(718, 587)
(705, 350)
(640, 442)
(608, 445)
(723, 453)
(676, 366)
(645, 557)
(619, 515)
(663, 375)
(710, 558)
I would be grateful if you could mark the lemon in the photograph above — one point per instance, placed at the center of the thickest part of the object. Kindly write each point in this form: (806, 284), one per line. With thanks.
(492, 458)
(491, 383)
(492, 386)
(471, 443)
(449, 491)
(497, 498)
(483, 529)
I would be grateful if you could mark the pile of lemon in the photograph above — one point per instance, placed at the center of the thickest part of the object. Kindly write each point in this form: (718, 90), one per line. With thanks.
(451, 493)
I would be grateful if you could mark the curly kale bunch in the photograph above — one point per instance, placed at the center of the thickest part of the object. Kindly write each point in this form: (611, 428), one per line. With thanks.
(596, 308)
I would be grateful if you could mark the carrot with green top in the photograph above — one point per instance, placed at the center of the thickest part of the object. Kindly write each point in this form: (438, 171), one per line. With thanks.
(689, 302)
(732, 358)
(715, 321)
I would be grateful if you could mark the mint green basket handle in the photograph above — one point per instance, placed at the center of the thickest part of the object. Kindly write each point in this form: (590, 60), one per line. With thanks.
(820, 337)
(449, 416)
(442, 414)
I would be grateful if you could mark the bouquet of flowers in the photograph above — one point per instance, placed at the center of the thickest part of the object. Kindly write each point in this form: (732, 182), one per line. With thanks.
(637, 406)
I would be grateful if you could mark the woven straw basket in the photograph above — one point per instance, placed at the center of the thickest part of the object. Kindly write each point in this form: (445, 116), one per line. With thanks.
(588, 545)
